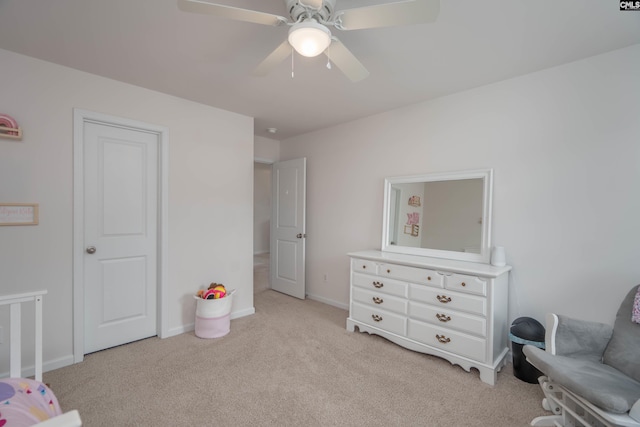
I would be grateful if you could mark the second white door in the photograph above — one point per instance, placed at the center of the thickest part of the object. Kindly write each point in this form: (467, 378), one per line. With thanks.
(120, 235)
(288, 231)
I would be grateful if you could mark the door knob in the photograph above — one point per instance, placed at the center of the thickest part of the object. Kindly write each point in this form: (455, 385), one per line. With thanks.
(91, 250)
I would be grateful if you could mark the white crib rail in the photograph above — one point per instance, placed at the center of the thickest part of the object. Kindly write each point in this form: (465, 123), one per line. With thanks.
(15, 343)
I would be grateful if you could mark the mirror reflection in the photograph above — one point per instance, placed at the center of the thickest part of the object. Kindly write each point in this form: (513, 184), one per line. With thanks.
(441, 215)
(444, 215)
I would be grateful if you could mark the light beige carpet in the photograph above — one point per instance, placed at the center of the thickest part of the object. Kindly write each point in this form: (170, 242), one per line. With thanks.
(293, 363)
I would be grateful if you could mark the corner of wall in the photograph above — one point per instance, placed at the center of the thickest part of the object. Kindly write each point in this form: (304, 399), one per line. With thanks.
(266, 150)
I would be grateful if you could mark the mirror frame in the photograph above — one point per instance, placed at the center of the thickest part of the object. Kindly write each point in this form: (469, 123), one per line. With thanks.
(487, 197)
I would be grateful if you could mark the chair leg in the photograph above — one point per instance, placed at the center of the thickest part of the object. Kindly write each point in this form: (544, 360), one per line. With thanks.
(548, 421)
(568, 410)
(551, 402)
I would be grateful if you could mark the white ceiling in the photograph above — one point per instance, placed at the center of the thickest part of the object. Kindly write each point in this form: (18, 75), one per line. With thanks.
(150, 43)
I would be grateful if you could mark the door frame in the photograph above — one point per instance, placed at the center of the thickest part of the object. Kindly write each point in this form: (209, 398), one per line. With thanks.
(80, 117)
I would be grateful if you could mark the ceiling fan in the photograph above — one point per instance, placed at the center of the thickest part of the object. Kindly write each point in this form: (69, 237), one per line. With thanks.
(309, 22)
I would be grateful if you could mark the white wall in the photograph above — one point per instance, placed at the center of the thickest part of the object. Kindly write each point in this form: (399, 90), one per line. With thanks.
(266, 149)
(261, 207)
(210, 192)
(564, 144)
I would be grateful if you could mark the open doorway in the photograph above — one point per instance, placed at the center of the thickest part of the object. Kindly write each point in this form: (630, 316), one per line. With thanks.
(261, 225)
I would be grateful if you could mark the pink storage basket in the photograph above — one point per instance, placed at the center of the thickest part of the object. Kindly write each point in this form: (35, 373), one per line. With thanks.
(215, 327)
(213, 316)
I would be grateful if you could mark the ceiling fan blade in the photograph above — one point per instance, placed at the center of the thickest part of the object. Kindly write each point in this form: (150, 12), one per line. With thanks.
(346, 61)
(389, 14)
(274, 58)
(230, 12)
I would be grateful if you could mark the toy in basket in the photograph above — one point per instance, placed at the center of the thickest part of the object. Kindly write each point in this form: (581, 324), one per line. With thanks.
(215, 291)
(213, 311)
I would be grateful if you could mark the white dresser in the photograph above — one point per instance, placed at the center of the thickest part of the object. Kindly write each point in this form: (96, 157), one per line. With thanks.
(456, 310)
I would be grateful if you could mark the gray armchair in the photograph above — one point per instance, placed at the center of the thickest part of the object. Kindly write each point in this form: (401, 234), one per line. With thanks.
(591, 370)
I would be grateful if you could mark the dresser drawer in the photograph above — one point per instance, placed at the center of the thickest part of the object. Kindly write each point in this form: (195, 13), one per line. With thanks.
(411, 274)
(382, 319)
(447, 299)
(380, 300)
(364, 266)
(381, 284)
(448, 340)
(448, 318)
(464, 283)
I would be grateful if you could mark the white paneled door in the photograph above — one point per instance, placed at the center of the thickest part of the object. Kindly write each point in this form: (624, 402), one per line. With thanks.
(120, 235)
(288, 231)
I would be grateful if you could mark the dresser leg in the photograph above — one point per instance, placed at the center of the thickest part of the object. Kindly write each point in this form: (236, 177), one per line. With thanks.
(488, 376)
(350, 326)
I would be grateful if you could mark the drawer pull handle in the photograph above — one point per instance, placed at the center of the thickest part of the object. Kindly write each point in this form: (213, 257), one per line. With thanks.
(443, 339)
(376, 318)
(428, 277)
(378, 284)
(444, 299)
(364, 267)
(464, 284)
(443, 317)
(378, 300)
(388, 270)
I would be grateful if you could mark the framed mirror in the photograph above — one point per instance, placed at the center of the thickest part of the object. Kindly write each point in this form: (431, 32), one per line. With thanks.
(442, 215)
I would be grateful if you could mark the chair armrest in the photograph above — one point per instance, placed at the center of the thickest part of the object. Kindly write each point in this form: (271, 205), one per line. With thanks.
(582, 339)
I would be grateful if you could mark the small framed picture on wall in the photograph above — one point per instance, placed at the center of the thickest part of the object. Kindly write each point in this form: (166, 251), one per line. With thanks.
(18, 214)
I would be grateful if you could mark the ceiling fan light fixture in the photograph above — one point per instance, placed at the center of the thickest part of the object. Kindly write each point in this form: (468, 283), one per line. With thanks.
(309, 38)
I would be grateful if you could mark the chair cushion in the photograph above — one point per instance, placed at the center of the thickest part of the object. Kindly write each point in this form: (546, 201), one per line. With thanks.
(602, 385)
(581, 339)
(635, 316)
(623, 351)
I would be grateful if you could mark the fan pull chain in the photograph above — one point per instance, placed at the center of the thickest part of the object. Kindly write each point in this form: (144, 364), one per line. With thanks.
(329, 57)
(292, 56)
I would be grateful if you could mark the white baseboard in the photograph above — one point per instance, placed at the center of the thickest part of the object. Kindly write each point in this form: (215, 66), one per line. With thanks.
(58, 363)
(180, 330)
(50, 365)
(243, 313)
(328, 301)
